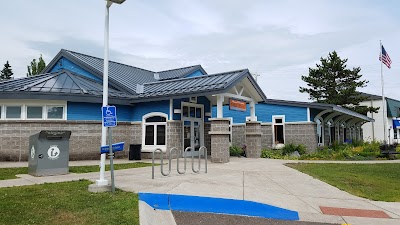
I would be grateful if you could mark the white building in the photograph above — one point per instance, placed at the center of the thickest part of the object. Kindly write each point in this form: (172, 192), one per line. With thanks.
(374, 130)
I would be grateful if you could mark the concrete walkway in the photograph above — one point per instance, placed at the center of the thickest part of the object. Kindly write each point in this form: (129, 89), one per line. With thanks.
(261, 180)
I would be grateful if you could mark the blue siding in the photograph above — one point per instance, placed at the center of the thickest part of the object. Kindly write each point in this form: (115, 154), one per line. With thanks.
(195, 74)
(92, 111)
(264, 113)
(64, 63)
(142, 109)
(200, 100)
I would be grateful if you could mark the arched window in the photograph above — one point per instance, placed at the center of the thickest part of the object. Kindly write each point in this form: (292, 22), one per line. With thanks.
(154, 131)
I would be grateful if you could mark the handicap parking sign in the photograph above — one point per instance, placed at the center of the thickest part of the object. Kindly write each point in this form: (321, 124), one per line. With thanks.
(109, 114)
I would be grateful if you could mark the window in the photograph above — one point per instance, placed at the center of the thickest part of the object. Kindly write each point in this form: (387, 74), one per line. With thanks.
(155, 127)
(279, 129)
(55, 112)
(149, 140)
(34, 112)
(13, 112)
(395, 133)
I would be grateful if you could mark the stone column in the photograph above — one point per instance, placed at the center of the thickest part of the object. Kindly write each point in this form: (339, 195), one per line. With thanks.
(219, 140)
(253, 139)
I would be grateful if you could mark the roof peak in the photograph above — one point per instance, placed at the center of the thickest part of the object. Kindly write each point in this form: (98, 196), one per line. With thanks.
(186, 67)
(73, 52)
(197, 77)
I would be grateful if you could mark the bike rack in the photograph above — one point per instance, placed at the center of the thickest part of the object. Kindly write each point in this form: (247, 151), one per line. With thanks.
(177, 153)
(205, 157)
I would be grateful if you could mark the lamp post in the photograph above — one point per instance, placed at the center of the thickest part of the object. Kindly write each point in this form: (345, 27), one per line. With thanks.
(102, 181)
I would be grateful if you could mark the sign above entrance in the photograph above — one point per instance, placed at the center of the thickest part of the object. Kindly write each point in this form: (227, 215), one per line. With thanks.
(237, 105)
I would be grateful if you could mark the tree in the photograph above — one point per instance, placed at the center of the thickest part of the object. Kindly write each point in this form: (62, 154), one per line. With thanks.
(6, 73)
(36, 67)
(333, 83)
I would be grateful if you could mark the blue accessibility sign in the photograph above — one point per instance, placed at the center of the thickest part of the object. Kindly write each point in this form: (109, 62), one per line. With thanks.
(109, 116)
(115, 147)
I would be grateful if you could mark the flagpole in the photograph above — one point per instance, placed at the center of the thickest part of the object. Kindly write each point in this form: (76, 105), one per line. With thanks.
(383, 100)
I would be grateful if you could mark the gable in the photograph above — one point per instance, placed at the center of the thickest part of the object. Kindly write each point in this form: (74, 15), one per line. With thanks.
(64, 63)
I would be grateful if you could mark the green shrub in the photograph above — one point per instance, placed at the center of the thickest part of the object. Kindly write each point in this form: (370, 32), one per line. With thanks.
(235, 150)
(290, 148)
(356, 143)
(271, 154)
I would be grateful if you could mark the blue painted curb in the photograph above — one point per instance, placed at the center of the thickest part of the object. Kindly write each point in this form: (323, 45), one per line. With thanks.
(187, 203)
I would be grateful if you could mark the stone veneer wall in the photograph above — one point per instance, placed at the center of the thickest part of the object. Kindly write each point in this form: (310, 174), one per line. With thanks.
(294, 133)
(239, 135)
(253, 139)
(84, 142)
(220, 140)
(305, 134)
(266, 137)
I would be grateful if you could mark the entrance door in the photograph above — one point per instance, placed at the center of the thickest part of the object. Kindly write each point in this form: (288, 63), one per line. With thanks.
(193, 129)
(192, 136)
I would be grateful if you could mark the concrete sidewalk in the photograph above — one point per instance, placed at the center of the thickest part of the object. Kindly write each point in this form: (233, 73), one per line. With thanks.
(261, 180)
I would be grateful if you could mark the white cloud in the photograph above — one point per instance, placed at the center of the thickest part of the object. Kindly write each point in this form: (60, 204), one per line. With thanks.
(278, 39)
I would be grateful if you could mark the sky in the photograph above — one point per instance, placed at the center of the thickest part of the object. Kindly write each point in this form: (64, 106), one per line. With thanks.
(279, 40)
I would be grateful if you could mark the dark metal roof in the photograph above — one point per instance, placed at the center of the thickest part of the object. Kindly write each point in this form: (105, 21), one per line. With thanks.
(59, 84)
(371, 96)
(209, 84)
(180, 72)
(124, 77)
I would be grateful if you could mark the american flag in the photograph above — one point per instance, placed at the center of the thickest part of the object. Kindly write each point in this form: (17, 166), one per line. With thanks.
(384, 57)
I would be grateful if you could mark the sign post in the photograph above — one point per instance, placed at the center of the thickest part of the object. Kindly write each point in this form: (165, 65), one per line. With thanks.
(109, 114)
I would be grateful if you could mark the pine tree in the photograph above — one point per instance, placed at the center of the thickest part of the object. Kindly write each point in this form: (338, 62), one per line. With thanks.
(36, 67)
(41, 64)
(332, 82)
(6, 73)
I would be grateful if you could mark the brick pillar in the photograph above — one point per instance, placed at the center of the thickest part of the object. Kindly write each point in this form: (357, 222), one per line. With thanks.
(219, 140)
(253, 139)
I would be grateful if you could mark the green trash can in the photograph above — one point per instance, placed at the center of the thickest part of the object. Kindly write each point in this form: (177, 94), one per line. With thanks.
(49, 153)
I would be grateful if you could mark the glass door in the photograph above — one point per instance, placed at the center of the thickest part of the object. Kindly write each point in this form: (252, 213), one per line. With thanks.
(192, 136)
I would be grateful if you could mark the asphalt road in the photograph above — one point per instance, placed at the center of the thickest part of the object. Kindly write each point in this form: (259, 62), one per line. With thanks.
(186, 218)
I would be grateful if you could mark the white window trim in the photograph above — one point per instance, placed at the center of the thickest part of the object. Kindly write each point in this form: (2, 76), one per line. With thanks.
(24, 111)
(64, 116)
(33, 105)
(273, 128)
(151, 148)
(21, 116)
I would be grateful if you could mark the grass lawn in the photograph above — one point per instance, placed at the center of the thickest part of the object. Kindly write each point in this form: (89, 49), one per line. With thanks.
(66, 203)
(9, 173)
(379, 182)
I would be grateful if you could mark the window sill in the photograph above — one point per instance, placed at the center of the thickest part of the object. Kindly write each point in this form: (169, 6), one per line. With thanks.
(151, 148)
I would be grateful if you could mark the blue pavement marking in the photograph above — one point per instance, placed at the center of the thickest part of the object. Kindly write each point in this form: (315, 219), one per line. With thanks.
(157, 201)
(216, 205)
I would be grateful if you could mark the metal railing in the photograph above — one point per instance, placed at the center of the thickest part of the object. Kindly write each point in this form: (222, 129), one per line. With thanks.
(178, 155)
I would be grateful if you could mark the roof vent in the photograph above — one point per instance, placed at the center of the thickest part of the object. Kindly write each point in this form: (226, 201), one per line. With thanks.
(139, 88)
(156, 76)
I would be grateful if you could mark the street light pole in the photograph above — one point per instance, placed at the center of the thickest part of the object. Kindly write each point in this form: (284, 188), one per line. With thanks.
(102, 181)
